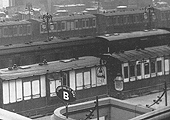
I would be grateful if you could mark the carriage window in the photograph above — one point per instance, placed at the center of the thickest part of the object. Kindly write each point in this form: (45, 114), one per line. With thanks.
(119, 20)
(42, 27)
(68, 26)
(29, 29)
(27, 90)
(83, 23)
(94, 22)
(125, 20)
(20, 30)
(12, 92)
(159, 67)
(24, 30)
(90, 23)
(76, 24)
(109, 19)
(19, 89)
(52, 88)
(153, 72)
(125, 72)
(162, 16)
(168, 15)
(55, 81)
(63, 25)
(59, 26)
(35, 89)
(87, 23)
(153, 67)
(136, 19)
(93, 77)
(54, 26)
(79, 81)
(72, 80)
(65, 79)
(132, 70)
(146, 69)
(83, 79)
(114, 20)
(130, 19)
(5, 34)
(0, 32)
(5, 92)
(10, 31)
(80, 23)
(43, 86)
(166, 66)
(15, 31)
(138, 68)
(72, 25)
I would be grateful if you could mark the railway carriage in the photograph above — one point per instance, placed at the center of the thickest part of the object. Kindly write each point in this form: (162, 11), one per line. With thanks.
(30, 90)
(120, 42)
(121, 21)
(35, 52)
(143, 71)
(65, 26)
(163, 14)
(81, 25)
(14, 32)
(75, 25)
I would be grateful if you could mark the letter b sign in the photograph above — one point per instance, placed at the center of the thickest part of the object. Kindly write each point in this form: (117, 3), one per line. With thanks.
(65, 95)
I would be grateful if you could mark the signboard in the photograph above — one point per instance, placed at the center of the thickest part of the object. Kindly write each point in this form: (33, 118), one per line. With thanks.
(66, 94)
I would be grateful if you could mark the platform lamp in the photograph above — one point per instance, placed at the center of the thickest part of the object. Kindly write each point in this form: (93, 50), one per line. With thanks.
(29, 8)
(48, 24)
(151, 16)
(118, 81)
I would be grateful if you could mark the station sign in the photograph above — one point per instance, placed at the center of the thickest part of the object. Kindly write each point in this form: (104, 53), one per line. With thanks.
(66, 94)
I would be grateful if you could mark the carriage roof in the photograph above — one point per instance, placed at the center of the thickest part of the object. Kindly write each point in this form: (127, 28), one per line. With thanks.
(123, 12)
(55, 66)
(136, 34)
(44, 45)
(6, 23)
(147, 53)
(73, 16)
(69, 17)
(163, 8)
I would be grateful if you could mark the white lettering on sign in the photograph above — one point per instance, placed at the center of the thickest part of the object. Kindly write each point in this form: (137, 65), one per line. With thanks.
(65, 95)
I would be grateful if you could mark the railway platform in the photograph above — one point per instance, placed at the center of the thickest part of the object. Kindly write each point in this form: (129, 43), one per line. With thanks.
(148, 100)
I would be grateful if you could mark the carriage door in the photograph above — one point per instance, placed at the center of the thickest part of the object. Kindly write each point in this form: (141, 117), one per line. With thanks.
(55, 79)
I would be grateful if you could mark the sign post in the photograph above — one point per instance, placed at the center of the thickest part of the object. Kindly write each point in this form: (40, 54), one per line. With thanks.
(67, 95)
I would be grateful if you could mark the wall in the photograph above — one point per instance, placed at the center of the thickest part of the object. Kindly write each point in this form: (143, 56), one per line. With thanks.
(109, 109)
(160, 114)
